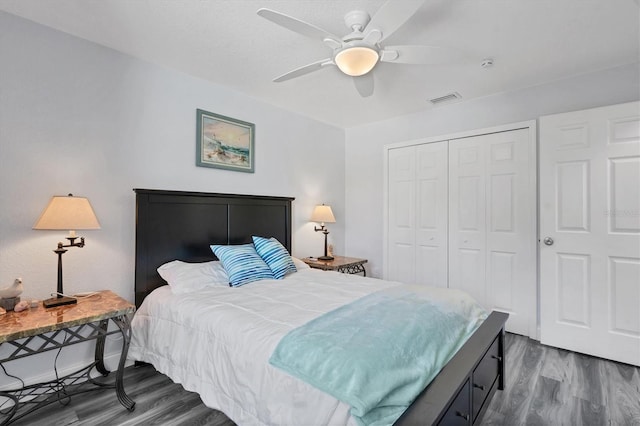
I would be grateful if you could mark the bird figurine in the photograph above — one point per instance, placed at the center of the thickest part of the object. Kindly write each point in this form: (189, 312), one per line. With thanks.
(14, 290)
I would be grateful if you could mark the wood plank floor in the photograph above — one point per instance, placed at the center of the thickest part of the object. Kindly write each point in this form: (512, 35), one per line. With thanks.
(550, 386)
(544, 386)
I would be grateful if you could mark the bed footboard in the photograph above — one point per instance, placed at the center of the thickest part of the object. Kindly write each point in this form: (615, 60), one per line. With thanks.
(461, 392)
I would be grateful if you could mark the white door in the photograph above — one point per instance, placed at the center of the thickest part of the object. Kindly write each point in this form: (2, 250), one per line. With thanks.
(431, 214)
(417, 214)
(400, 262)
(467, 230)
(590, 227)
(492, 228)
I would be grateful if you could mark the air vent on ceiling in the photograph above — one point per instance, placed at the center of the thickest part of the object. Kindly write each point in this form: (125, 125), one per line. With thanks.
(446, 98)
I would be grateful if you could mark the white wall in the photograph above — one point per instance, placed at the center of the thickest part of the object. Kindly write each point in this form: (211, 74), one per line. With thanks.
(364, 144)
(81, 118)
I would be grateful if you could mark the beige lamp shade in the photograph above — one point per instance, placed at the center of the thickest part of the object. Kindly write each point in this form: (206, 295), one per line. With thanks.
(68, 213)
(323, 214)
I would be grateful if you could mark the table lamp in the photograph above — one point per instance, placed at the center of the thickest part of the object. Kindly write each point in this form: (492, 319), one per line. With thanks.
(66, 213)
(323, 214)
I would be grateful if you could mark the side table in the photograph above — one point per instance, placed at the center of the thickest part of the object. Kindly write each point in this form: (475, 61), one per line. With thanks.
(347, 265)
(39, 330)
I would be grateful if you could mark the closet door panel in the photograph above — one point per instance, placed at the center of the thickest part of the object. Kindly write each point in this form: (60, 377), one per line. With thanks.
(468, 270)
(510, 212)
(401, 222)
(431, 214)
(492, 223)
(467, 233)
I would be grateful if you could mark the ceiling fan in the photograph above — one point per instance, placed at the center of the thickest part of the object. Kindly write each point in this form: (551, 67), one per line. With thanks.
(357, 53)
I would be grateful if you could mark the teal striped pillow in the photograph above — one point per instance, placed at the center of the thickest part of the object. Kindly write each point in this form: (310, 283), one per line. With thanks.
(275, 255)
(242, 263)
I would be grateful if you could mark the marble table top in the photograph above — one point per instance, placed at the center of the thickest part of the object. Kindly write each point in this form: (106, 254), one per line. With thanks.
(337, 262)
(31, 322)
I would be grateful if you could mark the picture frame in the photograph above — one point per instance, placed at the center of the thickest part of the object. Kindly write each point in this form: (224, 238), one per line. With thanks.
(224, 142)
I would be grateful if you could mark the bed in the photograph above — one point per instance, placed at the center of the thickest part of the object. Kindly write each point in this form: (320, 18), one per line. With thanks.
(179, 225)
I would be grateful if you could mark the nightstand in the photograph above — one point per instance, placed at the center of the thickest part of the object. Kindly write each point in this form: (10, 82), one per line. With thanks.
(346, 265)
(40, 329)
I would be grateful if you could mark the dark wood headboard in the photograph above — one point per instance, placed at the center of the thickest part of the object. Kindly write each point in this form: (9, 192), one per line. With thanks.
(178, 225)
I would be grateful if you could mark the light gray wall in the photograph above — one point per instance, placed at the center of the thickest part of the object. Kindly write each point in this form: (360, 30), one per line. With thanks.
(364, 144)
(81, 118)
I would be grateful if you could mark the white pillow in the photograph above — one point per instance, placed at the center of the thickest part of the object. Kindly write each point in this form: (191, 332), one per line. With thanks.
(186, 277)
(299, 263)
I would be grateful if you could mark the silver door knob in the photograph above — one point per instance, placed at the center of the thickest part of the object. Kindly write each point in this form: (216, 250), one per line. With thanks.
(548, 241)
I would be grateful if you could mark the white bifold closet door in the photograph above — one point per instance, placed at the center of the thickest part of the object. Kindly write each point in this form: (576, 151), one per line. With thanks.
(492, 212)
(590, 226)
(417, 209)
(461, 214)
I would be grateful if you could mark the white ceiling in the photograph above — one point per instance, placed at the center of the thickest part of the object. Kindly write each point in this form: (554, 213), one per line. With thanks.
(225, 41)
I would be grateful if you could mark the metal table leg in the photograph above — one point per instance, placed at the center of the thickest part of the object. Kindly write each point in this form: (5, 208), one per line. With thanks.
(99, 355)
(124, 325)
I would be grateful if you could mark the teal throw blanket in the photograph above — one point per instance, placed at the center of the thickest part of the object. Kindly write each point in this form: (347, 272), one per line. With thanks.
(379, 352)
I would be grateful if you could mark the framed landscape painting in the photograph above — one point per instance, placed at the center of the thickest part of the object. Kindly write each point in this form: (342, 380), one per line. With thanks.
(224, 143)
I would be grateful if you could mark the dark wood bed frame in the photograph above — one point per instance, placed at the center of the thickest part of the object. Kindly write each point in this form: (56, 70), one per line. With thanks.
(181, 225)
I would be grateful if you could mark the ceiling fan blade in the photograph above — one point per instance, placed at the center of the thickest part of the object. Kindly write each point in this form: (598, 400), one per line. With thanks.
(299, 26)
(391, 16)
(315, 66)
(364, 84)
(416, 54)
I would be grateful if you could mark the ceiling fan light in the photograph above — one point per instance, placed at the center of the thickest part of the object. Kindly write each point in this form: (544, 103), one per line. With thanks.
(357, 60)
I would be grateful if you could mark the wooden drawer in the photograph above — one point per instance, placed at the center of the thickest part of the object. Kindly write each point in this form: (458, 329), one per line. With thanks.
(458, 412)
(484, 377)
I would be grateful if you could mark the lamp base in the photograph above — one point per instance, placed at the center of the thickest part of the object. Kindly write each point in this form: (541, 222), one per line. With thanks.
(59, 301)
(325, 257)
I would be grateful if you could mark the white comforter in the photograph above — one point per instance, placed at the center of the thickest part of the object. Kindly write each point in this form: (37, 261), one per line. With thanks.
(217, 342)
